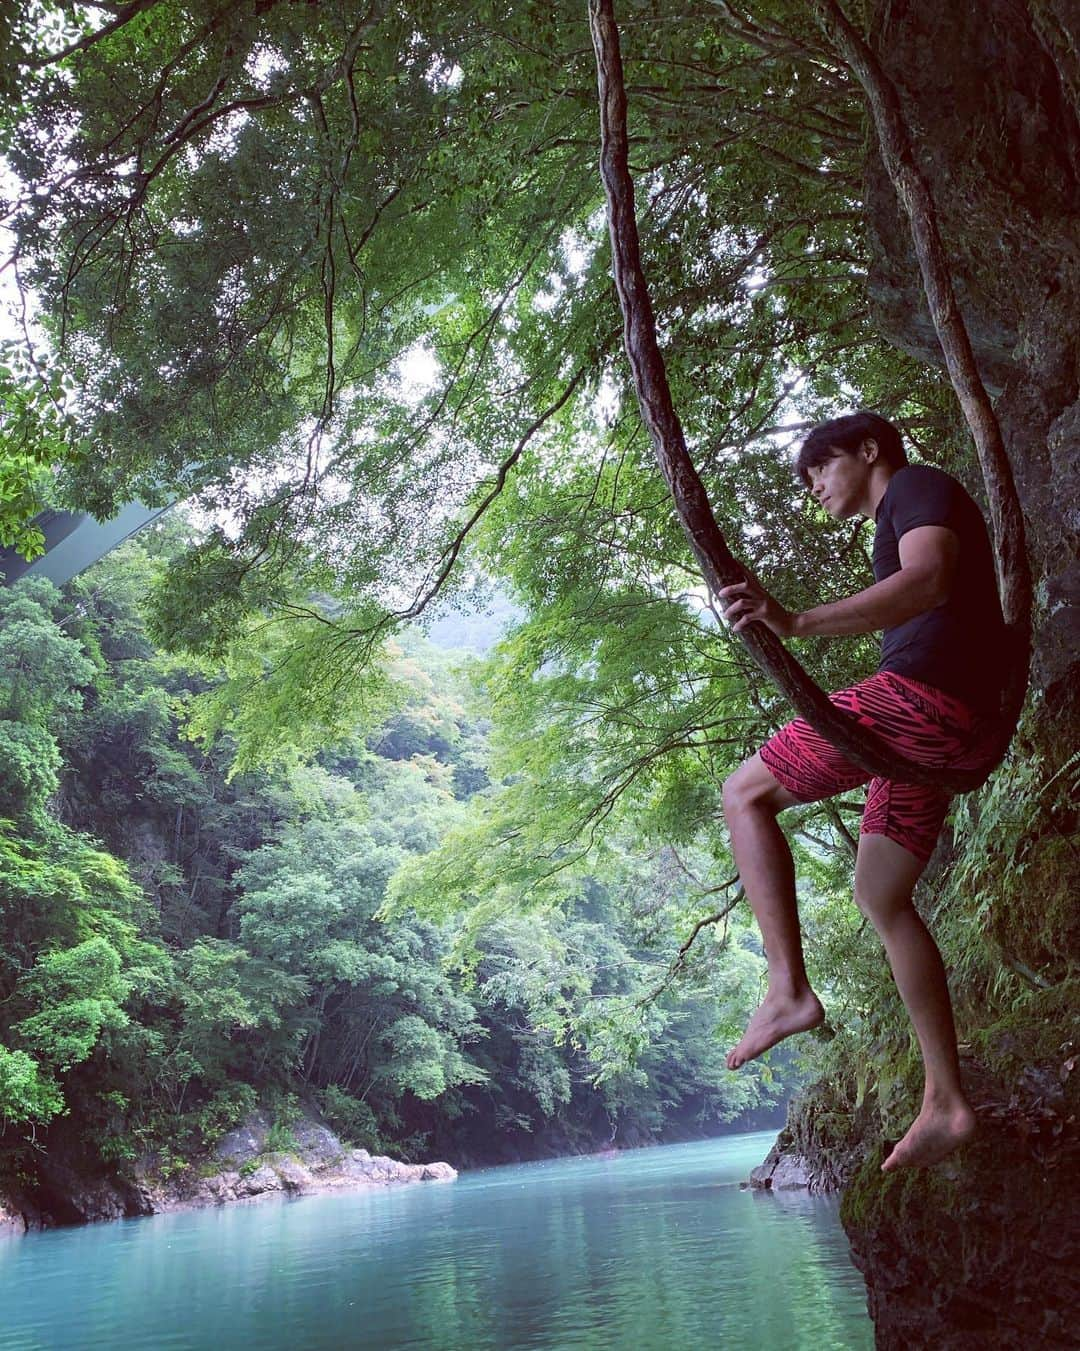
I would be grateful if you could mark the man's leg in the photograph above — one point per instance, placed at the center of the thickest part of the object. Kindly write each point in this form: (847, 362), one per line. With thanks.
(752, 800)
(885, 877)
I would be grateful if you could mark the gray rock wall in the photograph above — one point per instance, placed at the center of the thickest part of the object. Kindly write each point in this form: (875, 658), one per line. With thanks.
(240, 1168)
(990, 93)
(982, 1251)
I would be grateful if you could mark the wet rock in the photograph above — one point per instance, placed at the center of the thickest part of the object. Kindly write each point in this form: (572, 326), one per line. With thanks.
(239, 1168)
(783, 1172)
(12, 1221)
(792, 1170)
(821, 1145)
(437, 1172)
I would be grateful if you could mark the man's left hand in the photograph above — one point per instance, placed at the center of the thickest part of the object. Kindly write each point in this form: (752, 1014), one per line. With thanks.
(748, 602)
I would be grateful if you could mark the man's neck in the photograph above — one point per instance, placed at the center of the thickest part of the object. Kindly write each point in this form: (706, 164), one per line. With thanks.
(876, 484)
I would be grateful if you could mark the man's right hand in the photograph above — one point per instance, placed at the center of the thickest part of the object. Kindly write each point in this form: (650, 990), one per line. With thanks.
(748, 602)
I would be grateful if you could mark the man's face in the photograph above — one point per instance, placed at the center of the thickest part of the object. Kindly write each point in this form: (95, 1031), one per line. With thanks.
(840, 483)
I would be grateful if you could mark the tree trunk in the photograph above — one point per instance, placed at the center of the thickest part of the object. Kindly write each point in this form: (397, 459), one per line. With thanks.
(717, 563)
(1007, 517)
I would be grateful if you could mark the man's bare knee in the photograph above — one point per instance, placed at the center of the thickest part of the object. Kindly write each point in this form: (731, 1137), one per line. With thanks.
(740, 790)
(887, 913)
(753, 788)
(885, 877)
(884, 901)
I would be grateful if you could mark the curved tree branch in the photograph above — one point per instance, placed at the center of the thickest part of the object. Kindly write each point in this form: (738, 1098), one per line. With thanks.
(1007, 518)
(680, 957)
(718, 565)
(449, 555)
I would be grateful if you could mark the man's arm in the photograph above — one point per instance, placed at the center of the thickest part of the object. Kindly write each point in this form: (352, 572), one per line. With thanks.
(928, 556)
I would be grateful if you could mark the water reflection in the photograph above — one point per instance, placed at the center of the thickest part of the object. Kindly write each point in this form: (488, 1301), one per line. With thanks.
(653, 1248)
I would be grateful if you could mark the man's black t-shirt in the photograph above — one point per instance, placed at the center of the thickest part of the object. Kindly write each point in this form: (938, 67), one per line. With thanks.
(959, 645)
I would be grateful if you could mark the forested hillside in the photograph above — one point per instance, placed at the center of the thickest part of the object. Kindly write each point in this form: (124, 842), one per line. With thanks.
(182, 945)
(340, 279)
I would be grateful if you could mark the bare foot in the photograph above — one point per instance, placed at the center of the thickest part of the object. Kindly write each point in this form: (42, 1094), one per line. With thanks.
(778, 1017)
(935, 1132)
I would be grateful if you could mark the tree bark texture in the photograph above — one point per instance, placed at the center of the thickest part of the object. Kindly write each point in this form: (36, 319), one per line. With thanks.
(718, 565)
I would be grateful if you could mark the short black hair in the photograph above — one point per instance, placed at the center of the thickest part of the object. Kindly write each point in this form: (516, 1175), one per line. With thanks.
(847, 434)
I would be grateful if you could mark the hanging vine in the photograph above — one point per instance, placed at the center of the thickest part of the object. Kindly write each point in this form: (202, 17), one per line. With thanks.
(719, 566)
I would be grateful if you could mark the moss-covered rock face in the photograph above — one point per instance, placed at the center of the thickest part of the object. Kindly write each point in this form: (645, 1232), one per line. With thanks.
(984, 1249)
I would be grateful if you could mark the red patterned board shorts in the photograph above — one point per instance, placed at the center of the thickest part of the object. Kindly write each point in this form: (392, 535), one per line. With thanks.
(922, 723)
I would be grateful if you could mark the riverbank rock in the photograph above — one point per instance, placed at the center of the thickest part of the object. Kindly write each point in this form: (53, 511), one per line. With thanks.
(822, 1144)
(783, 1171)
(308, 1158)
(244, 1165)
(983, 1249)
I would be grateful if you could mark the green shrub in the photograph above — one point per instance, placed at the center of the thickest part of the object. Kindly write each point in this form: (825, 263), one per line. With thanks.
(225, 1110)
(280, 1140)
(353, 1120)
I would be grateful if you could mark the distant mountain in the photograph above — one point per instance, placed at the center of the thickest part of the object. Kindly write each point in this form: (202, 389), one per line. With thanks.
(474, 631)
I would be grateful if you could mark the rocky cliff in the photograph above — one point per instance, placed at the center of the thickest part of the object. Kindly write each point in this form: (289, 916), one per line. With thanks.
(247, 1162)
(989, 92)
(984, 1250)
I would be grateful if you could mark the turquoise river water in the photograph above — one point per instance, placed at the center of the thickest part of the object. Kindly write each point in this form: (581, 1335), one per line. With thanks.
(651, 1248)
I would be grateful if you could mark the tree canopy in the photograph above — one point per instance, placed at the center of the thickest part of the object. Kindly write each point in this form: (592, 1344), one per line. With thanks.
(346, 278)
(341, 279)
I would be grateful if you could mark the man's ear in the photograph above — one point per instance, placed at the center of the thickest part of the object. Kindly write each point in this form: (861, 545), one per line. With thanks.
(869, 448)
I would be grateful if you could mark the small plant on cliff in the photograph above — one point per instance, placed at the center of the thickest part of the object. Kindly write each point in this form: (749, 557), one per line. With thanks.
(1019, 850)
(353, 1120)
(280, 1140)
(172, 1165)
(287, 1112)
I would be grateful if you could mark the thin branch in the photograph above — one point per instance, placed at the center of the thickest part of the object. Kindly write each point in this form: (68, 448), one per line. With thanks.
(680, 958)
(123, 16)
(450, 553)
(718, 565)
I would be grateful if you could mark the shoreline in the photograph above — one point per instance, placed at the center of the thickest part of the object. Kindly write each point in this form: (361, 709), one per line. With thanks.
(240, 1168)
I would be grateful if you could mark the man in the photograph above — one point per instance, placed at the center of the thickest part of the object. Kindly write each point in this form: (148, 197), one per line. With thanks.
(935, 599)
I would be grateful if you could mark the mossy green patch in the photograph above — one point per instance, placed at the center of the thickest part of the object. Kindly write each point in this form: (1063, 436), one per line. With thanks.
(1040, 1035)
(873, 1198)
(1036, 919)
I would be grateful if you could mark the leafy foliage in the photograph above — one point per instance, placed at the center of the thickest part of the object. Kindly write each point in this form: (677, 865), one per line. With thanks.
(341, 276)
(398, 364)
(247, 947)
(35, 435)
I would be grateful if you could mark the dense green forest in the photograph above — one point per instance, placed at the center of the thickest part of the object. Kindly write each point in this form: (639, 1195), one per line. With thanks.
(183, 943)
(340, 280)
